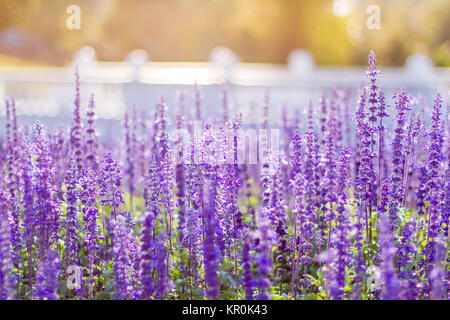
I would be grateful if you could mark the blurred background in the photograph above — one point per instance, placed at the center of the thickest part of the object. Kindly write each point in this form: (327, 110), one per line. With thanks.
(131, 51)
(34, 32)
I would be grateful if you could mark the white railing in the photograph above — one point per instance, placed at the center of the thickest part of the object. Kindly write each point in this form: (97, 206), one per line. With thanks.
(48, 92)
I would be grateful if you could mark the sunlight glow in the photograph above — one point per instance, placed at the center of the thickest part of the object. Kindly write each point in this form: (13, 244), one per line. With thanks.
(342, 8)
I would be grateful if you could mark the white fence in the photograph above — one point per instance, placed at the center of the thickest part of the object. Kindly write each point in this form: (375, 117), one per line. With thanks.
(49, 92)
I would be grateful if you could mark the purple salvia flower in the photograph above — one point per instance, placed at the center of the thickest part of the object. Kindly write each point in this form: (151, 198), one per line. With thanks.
(71, 222)
(75, 130)
(296, 154)
(47, 209)
(153, 187)
(436, 139)
(341, 245)
(180, 175)
(166, 180)
(130, 153)
(363, 139)
(91, 135)
(264, 259)
(435, 156)
(340, 241)
(60, 154)
(286, 152)
(224, 217)
(136, 258)
(347, 128)
(148, 256)
(194, 179)
(447, 138)
(311, 167)
(278, 206)
(358, 259)
(247, 279)
(298, 211)
(208, 150)
(6, 279)
(304, 220)
(329, 181)
(438, 282)
(193, 243)
(47, 277)
(365, 175)
(8, 124)
(12, 156)
(343, 177)
(160, 266)
(382, 163)
(414, 129)
(143, 142)
(435, 278)
(134, 143)
(445, 204)
(389, 276)
(266, 182)
(235, 181)
(28, 214)
(323, 117)
(384, 196)
(422, 190)
(396, 191)
(361, 125)
(336, 112)
(90, 213)
(159, 194)
(373, 102)
(122, 260)
(109, 182)
(154, 132)
(406, 253)
(12, 145)
(372, 74)
(162, 136)
(210, 249)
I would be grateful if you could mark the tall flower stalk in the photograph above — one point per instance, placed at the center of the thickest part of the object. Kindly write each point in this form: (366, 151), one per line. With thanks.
(71, 248)
(91, 135)
(90, 214)
(76, 138)
(402, 105)
(47, 212)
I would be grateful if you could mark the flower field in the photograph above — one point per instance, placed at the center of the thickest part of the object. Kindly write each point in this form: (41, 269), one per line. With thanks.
(353, 203)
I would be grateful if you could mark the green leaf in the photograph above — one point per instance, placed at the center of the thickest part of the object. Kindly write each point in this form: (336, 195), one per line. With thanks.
(230, 295)
(313, 296)
(181, 282)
